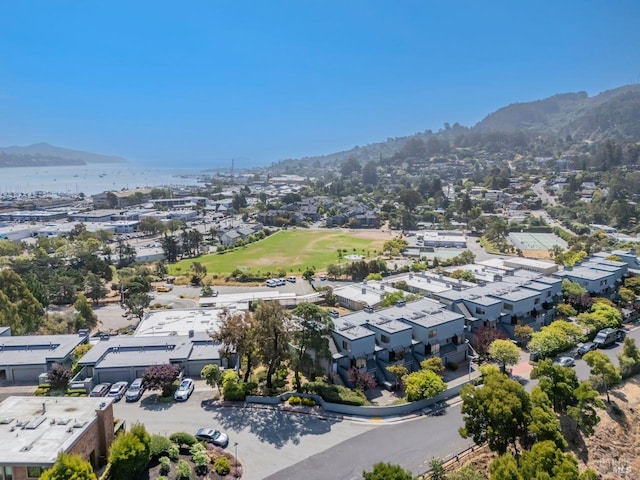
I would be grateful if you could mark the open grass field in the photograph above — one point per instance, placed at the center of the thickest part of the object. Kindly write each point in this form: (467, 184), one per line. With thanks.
(292, 251)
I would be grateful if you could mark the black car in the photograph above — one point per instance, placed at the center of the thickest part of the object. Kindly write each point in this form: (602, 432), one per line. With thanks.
(620, 334)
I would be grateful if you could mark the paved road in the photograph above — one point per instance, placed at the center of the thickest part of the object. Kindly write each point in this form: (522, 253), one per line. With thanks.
(411, 444)
(268, 440)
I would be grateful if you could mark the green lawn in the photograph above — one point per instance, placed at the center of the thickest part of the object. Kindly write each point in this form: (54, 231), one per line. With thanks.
(291, 250)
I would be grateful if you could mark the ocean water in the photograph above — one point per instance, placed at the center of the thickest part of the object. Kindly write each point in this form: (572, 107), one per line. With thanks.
(91, 179)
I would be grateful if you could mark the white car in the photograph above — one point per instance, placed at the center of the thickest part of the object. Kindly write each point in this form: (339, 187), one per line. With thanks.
(118, 390)
(185, 390)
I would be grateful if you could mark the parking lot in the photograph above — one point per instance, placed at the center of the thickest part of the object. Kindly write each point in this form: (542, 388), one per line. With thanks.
(269, 440)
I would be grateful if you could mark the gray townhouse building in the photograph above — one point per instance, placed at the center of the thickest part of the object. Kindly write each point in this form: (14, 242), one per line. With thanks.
(405, 334)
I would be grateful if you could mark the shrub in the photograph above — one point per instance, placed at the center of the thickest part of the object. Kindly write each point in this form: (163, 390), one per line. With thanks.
(294, 400)
(201, 461)
(250, 388)
(336, 393)
(309, 402)
(174, 452)
(165, 465)
(129, 454)
(196, 448)
(183, 438)
(183, 469)
(222, 466)
(162, 477)
(159, 446)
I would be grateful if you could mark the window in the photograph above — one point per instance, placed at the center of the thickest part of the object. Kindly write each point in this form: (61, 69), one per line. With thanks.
(537, 301)
(384, 339)
(480, 311)
(360, 362)
(6, 473)
(433, 333)
(508, 306)
(345, 345)
(34, 472)
(435, 349)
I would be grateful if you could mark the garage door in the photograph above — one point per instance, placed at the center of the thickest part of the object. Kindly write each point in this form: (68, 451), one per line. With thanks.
(113, 375)
(27, 374)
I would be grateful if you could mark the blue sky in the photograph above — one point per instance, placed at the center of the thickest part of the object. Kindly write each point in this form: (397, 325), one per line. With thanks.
(199, 83)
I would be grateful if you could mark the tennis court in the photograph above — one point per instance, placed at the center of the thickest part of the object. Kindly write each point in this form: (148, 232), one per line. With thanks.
(535, 241)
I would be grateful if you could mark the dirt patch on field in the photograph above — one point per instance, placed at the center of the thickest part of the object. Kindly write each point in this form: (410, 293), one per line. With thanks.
(537, 254)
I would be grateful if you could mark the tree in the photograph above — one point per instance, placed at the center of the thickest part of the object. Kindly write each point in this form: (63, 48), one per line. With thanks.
(523, 333)
(484, 337)
(273, 330)
(59, 376)
(198, 271)
(85, 312)
(436, 470)
(504, 352)
(432, 363)
(69, 467)
(545, 424)
(557, 382)
(422, 384)
(556, 337)
(399, 371)
(497, 413)
(468, 472)
(310, 327)
(387, 471)
(212, 375)
(237, 333)
(584, 411)
(361, 380)
(603, 370)
(504, 467)
(151, 225)
(19, 309)
(629, 358)
(130, 453)
(137, 304)
(546, 460)
(170, 247)
(94, 287)
(308, 274)
(160, 377)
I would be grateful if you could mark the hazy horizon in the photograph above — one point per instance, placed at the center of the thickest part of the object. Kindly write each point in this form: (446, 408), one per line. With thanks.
(200, 84)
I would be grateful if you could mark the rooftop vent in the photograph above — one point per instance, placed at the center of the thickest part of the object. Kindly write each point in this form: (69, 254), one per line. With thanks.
(35, 423)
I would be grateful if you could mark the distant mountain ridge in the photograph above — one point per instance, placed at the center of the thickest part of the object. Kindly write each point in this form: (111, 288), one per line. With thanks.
(43, 154)
(611, 114)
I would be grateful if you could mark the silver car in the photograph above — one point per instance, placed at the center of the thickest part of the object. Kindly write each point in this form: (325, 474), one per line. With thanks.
(211, 435)
(117, 390)
(185, 390)
(136, 389)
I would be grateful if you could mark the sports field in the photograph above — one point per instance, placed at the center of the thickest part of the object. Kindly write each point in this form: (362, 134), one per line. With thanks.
(292, 251)
(536, 241)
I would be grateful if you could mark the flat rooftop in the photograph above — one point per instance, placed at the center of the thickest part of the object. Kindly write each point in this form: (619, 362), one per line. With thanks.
(179, 322)
(37, 349)
(31, 435)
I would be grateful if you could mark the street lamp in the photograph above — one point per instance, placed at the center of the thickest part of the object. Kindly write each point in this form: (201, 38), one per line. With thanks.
(235, 445)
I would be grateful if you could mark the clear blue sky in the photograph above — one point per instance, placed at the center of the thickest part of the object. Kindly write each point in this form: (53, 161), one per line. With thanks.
(198, 83)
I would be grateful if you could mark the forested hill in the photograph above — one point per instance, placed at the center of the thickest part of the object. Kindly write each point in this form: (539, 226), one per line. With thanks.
(611, 113)
(43, 154)
(614, 114)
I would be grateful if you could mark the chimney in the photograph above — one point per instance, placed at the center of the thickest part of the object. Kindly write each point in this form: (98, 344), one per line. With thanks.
(44, 408)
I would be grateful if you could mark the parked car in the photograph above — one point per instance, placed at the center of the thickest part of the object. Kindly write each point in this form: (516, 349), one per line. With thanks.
(136, 389)
(292, 279)
(565, 362)
(605, 337)
(185, 390)
(620, 334)
(211, 435)
(118, 390)
(100, 390)
(586, 347)
(323, 278)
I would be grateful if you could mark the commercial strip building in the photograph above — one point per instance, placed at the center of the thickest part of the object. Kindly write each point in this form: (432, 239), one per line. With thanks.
(35, 430)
